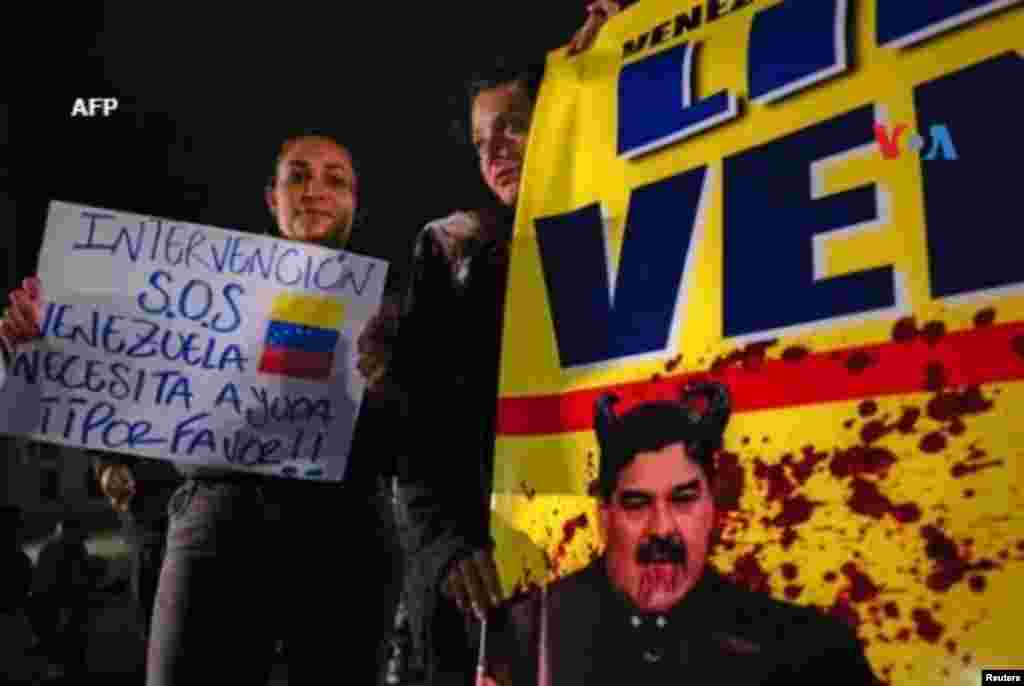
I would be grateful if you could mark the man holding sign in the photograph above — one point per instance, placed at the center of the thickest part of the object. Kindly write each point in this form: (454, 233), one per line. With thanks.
(246, 560)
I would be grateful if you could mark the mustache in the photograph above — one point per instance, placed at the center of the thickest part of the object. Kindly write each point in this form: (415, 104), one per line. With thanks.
(661, 550)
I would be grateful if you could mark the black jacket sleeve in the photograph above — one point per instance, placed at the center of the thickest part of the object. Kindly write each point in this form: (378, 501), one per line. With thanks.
(445, 361)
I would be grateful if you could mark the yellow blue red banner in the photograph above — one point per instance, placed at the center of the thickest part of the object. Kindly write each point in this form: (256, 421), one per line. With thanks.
(817, 204)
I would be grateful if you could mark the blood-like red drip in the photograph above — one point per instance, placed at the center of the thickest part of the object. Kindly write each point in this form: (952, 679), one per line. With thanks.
(861, 589)
(859, 361)
(932, 332)
(927, 628)
(795, 353)
(905, 330)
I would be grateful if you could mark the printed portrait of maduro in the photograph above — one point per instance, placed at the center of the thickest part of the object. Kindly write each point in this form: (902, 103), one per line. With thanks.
(650, 610)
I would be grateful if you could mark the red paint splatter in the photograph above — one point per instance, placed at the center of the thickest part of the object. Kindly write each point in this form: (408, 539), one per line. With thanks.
(951, 646)
(796, 510)
(594, 488)
(747, 571)
(843, 611)
(861, 588)
(729, 482)
(779, 486)
(934, 377)
(868, 500)
(908, 420)
(892, 610)
(859, 460)
(948, 405)
(976, 453)
(903, 635)
(1018, 345)
(906, 513)
(750, 356)
(867, 408)
(848, 424)
(905, 330)
(969, 493)
(859, 361)
(933, 443)
(1004, 554)
(874, 430)
(977, 583)
(876, 620)
(746, 440)
(655, 378)
(671, 365)
(803, 469)
(950, 565)
(984, 317)
(1020, 546)
(927, 628)
(569, 530)
(961, 469)
(789, 571)
(795, 353)
(933, 332)
(878, 428)
(789, 537)
(957, 427)
(830, 576)
(793, 592)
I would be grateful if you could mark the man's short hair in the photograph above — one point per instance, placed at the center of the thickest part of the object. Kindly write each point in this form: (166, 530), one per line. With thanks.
(502, 70)
(652, 426)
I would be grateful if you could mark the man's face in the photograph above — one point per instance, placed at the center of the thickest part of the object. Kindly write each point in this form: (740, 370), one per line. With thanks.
(314, 193)
(657, 526)
(501, 122)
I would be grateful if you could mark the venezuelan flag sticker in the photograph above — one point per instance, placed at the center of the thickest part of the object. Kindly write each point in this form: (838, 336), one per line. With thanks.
(302, 335)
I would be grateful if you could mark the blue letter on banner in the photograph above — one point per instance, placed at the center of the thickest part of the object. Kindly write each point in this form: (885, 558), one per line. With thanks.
(972, 205)
(656, 104)
(771, 220)
(795, 45)
(901, 23)
(596, 322)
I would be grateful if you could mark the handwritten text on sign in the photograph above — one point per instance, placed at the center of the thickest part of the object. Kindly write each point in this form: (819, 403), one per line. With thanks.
(194, 344)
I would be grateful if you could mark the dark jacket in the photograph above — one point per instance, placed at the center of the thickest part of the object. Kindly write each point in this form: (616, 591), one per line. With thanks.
(719, 632)
(446, 365)
(446, 362)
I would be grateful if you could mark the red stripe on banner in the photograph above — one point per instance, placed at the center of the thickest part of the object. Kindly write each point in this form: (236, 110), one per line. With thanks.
(296, 363)
(929, 360)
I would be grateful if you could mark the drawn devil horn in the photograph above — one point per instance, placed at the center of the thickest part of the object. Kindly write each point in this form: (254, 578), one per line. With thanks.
(604, 417)
(719, 406)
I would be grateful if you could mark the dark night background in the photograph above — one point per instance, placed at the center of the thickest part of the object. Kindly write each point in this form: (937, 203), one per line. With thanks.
(207, 93)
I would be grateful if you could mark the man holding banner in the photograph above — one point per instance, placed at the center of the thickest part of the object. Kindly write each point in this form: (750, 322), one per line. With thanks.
(247, 562)
(458, 286)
